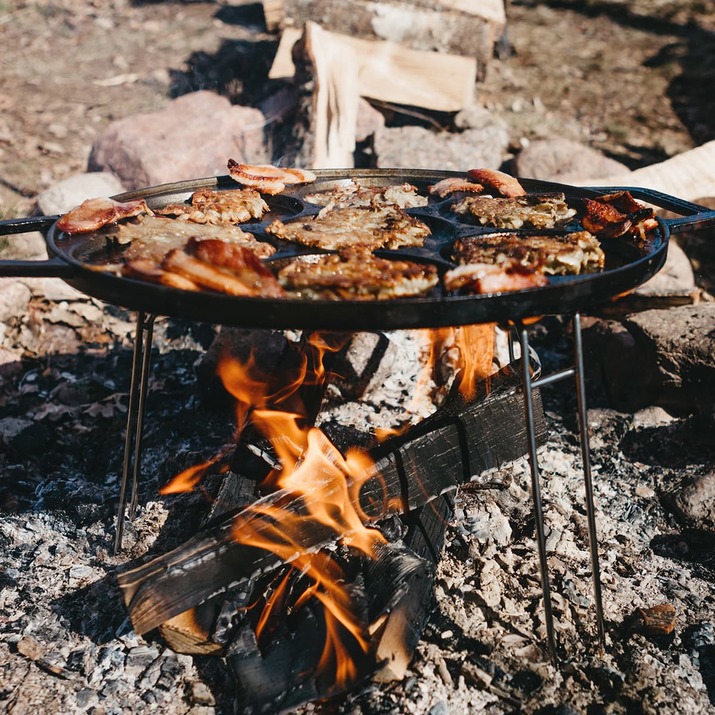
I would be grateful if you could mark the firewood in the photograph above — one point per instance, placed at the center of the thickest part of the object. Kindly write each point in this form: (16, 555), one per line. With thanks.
(457, 443)
(389, 72)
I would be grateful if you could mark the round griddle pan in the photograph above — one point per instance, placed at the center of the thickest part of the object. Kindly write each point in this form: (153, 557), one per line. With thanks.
(79, 259)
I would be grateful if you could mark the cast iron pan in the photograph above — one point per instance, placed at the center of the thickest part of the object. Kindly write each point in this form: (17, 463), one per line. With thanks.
(78, 260)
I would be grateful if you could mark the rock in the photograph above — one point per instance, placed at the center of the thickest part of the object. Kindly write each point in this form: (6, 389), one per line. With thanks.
(23, 246)
(564, 160)
(657, 357)
(416, 147)
(694, 502)
(610, 362)
(192, 137)
(14, 297)
(66, 194)
(675, 277)
(369, 121)
(677, 347)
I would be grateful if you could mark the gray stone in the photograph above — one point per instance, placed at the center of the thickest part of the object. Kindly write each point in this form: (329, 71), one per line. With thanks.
(416, 147)
(23, 246)
(564, 160)
(14, 297)
(694, 502)
(657, 357)
(192, 137)
(70, 192)
(369, 121)
(678, 355)
(675, 277)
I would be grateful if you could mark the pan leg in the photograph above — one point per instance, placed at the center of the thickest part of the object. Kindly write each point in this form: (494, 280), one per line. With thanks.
(536, 496)
(588, 482)
(135, 417)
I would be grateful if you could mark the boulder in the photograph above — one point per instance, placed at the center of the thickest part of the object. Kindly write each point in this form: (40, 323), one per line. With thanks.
(657, 357)
(192, 137)
(71, 192)
(565, 161)
(14, 297)
(420, 148)
(694, 502)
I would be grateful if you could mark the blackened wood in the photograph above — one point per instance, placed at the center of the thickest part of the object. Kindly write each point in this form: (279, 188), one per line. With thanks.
(429, 460)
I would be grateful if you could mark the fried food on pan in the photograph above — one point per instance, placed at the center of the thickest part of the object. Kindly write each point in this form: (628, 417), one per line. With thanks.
(384, 227)
(229, 206)
(565, 254)
(356, 274)
(503, 184)
(354, 194)
(532, 211)
(266, 178)
(93, 214)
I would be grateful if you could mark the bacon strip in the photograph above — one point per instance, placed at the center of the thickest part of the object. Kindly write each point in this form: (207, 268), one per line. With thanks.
(618, 214)
(453, 184)
(147, 270)
(92, 214)
(223, 267)
(504, 184)
(268, 179)
(491, 278)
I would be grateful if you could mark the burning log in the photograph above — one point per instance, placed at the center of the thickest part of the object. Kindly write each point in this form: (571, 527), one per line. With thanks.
(341, 551)
(457, 443)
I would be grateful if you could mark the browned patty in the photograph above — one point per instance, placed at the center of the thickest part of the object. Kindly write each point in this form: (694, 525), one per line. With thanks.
(385, 227)
(570, 253)
(356, 275)
(532, 211)
(352, 193)
(218, 207)
(152, 237)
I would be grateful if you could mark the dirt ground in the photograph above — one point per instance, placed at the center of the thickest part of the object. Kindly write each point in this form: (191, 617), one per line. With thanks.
(633, 79)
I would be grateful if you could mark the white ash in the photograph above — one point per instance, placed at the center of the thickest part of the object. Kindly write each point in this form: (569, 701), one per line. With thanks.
(67, 645)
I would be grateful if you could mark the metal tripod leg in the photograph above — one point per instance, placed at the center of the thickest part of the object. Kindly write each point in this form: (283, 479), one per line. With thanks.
(536, 494)
(577, 372)
(135, 419)
(588, 483)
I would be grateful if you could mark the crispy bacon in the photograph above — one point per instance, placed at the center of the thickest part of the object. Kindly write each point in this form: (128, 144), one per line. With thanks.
(223, 267)
(504, 184)
(618, 214)
(454, 184)
(92, 214)
(148, 270)
(267, 178)
(491, 278)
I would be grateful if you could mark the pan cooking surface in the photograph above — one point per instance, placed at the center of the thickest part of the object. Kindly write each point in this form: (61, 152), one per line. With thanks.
(627, 265)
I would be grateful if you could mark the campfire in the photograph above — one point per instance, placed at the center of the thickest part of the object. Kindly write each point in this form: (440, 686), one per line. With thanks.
(315, 568)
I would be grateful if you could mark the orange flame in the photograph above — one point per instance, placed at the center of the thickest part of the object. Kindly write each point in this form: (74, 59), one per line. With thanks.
(319, 485)
(318, 488)
(474, 345)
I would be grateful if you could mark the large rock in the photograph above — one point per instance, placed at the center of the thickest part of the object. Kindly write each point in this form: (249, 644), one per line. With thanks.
(657, 357)
(694, 502)
(192, 137)
(419, 148)
(565, 161)
(70, 192)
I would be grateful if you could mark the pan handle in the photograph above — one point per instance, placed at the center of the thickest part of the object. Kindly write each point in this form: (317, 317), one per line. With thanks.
(26, 224)
(51, 268)
(693, 218)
